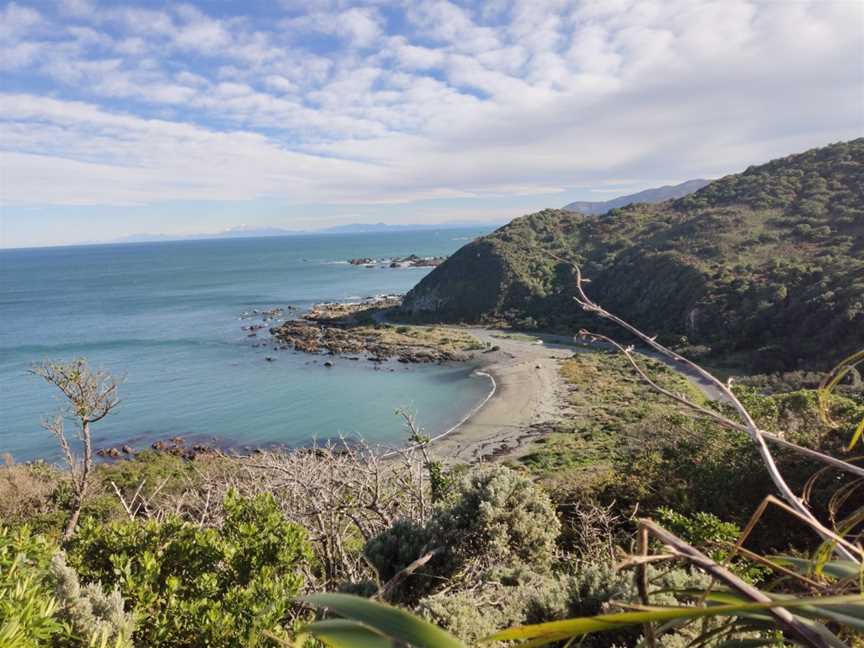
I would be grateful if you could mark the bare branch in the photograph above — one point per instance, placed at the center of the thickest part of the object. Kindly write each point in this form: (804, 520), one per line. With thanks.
(784, 618)
(388, 588)
(750, 426)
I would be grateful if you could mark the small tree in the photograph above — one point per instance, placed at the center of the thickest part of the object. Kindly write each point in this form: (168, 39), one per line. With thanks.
(91, 395)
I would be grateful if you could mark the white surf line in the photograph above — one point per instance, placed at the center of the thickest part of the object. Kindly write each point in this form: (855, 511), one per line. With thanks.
(461, 422)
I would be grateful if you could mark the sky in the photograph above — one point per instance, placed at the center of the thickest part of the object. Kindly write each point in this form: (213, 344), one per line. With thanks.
(167, 117)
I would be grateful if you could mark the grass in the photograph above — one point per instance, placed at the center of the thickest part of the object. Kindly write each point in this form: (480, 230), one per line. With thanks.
(437, 337)
(607, 411)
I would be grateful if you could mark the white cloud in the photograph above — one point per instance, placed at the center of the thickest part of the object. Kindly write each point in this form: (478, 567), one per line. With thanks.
(18, 55)
(326, 102)
(17, 21)
(357, 26)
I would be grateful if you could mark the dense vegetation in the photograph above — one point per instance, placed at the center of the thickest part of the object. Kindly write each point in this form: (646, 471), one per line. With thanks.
(763, 269)
(620, 445)
(176, 552)
(224, 551)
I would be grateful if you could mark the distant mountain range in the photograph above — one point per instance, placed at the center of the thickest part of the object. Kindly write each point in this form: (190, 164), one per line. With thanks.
(651, 196)
(656, 195)
(244, 231)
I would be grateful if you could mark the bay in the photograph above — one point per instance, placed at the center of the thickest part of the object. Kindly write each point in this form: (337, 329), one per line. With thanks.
(167, 316)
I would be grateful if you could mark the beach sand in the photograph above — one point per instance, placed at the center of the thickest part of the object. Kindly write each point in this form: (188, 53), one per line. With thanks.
(528, 392)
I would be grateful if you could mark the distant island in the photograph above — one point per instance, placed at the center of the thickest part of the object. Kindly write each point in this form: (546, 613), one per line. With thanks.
(244, 231)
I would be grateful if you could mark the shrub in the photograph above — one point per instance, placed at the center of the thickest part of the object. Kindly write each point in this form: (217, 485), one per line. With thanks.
(42, 603)
(492, 516)
(396, 547)
(497, 516)
(30, 493)
(89, 611)
(28, 609)
(520, 596)
(197, 586)
(713, 536)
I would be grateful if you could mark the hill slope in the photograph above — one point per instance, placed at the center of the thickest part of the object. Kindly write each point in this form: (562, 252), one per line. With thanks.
(659, 194)
(764, 267)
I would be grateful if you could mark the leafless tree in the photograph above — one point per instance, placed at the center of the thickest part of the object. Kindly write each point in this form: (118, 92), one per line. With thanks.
(91, 396)
(343, 491)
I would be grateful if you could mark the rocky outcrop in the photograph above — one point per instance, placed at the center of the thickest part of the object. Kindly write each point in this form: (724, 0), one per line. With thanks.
(410, 261)
(345, 340)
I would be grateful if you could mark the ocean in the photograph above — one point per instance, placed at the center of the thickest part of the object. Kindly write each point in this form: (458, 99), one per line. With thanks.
(167, 316)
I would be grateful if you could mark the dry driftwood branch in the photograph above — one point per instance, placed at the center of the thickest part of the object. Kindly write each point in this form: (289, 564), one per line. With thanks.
(750, 426)
(786, 620)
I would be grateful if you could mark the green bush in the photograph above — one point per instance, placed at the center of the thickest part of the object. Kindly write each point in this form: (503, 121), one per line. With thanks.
(194, 586)
(498, 516)
(42, 602)
(28, 608)
(714, 537)
(492, 516)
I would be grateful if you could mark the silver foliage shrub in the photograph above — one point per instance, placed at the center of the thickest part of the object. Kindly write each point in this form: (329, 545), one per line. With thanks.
(498, 516)
(517, 596)
(91, 612)
(493, 516)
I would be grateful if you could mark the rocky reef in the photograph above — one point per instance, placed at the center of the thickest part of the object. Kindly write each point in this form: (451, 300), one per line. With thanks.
(360, 329)
(410, 261)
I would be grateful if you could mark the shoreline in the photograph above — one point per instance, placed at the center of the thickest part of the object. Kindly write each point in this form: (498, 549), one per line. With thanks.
(474, 410)
(524, 399)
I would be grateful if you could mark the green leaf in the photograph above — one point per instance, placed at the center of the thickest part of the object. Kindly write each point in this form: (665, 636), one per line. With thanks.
(558, 630)
(342, 633)
(827, 387)
(386, 619)
(850, 614)
(841, 569)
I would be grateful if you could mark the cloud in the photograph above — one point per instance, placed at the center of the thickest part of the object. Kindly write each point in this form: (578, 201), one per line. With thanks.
(17, 21)
(358, 26)
(380, 102)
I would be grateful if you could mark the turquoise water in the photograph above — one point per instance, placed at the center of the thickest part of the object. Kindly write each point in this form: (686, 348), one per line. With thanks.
(167, 315)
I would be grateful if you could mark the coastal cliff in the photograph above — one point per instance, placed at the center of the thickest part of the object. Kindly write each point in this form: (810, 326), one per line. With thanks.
(762, 267)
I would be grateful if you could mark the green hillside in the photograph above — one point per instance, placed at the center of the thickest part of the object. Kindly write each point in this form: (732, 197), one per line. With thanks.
(764, 268)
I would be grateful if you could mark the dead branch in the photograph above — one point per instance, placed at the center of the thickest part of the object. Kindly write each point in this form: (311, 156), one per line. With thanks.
(752, 429)
(786, 620)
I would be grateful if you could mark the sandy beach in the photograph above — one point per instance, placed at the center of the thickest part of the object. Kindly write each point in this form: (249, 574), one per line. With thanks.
(528, 388)
(527, 396)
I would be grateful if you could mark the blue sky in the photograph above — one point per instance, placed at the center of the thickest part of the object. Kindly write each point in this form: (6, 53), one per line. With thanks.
(119, 118)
